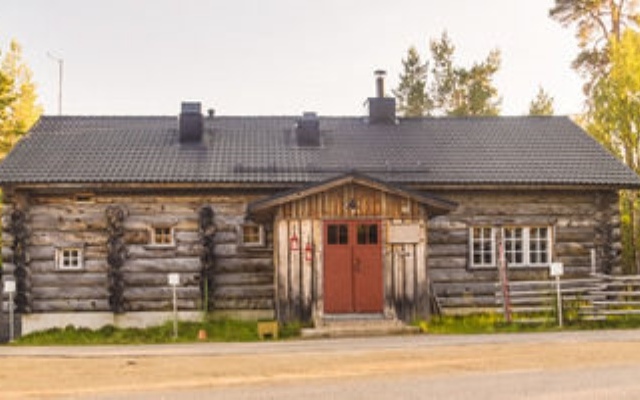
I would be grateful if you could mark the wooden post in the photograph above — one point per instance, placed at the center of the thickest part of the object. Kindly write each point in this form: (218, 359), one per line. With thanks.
(504, 279)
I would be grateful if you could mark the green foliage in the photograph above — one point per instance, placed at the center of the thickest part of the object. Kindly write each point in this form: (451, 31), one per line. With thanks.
(412, 100)
(446, 88)
(614, 120)
(598, 23)
(218, 330)
(19, 108)
(627, 232)
(542, 104)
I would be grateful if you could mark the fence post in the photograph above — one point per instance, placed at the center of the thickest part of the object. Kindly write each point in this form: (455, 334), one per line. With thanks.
(504, 279)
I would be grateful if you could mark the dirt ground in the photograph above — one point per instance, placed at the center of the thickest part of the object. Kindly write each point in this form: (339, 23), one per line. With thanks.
(53, 377)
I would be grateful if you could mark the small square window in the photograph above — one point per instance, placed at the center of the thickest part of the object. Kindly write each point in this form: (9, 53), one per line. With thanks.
(84, 198)
(69, 258)
(252, 235)
(162, 236)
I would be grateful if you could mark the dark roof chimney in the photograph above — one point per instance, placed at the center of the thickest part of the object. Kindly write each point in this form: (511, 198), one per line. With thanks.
(191, 122)
(382, 110)
(380, 74)
(308, 130)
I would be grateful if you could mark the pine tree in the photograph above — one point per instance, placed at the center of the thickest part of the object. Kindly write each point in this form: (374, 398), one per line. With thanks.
(412, 100)
(598, 23)
(542, 104)
(461, 91)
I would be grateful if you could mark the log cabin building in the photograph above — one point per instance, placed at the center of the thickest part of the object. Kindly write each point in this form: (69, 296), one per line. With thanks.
(295, 218)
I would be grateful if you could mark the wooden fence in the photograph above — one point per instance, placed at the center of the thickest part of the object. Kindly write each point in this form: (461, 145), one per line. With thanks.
(593, 298)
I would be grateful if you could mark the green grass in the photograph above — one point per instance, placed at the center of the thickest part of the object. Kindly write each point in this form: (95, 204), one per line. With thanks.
(224, 330)
(495, 323)
(227, 330)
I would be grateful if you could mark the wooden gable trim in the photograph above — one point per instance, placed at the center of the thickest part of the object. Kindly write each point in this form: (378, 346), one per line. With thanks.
(270, 203)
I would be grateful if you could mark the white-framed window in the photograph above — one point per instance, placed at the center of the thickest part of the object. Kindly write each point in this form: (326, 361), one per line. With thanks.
(252, 235)
(524, 246)
(483, 247)
(539, 245)
(514, 245)
(162, 236)
(69, 258)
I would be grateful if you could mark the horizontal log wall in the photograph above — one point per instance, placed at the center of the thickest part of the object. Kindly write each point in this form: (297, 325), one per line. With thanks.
(580, 221)
(243, 277)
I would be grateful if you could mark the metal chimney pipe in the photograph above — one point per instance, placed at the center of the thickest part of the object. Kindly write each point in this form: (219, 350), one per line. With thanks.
(380, 74)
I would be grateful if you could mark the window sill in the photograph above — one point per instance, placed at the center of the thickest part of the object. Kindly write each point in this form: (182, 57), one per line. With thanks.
(509, 268)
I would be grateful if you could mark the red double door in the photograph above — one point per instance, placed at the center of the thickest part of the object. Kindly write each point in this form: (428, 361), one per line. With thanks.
(353, 267)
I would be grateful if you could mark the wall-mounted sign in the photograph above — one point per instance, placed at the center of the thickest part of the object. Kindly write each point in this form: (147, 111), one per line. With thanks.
(405, 233)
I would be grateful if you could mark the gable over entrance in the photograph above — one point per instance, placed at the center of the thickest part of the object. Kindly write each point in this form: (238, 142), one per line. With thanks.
(351, 195)
(352, 244)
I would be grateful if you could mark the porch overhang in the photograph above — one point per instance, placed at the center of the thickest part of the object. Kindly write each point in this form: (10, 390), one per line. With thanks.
(435, 205)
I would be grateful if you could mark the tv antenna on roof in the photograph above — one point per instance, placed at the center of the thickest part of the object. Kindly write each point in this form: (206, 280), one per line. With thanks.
(60, 62)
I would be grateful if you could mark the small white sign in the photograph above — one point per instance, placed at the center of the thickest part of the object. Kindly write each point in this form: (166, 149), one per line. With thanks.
(556, 269)
(9, 286)
(174, 279)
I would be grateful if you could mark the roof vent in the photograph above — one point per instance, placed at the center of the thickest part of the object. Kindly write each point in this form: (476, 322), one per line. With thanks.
(191, 122)
(308, 130)
(382, 110)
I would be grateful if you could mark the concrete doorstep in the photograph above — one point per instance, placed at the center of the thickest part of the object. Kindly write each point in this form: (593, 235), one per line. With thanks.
(357, 326)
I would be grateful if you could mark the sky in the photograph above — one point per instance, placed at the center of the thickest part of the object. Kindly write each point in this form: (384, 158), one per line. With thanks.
(275, 57)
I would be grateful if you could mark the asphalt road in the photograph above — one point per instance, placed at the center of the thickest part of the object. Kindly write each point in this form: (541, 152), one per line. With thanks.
(615, 383)
(567, 365)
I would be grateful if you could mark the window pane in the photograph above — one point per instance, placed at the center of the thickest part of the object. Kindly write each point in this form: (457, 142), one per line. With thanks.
(332, 234)
(513, 245)
(539, 245)
(373, 234)
(368, 234)
(362, 234)
(482, 246)
(251, 234)
(337, 234)
(344, 234)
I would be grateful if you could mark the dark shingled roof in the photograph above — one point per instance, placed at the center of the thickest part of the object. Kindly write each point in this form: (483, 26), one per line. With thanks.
(486, 150)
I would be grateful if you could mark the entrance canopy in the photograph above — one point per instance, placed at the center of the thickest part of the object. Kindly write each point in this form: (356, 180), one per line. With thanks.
(354, 202)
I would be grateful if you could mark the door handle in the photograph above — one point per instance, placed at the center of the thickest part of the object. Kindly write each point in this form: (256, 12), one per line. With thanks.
(356, 265)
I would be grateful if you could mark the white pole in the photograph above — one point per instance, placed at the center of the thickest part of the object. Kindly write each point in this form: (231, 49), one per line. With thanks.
(11, 318)
(559, 300)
